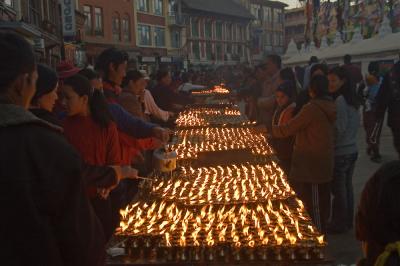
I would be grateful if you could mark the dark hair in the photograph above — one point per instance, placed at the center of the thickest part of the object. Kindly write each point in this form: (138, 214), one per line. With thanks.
(46, 82)
(313, 60)
(378, 215)
(347, 59)
(262, 66)
(90, 74)
(347, 90)
(16, 58)
(288, 74)
(162, 74)
(319, 84)
(322, 67)
(97, 102)
(132, 75)
(276, 59)
(110, 56)
(288, 88)
(373, 68)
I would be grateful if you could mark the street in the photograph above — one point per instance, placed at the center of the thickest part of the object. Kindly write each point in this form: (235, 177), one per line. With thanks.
(345, 249)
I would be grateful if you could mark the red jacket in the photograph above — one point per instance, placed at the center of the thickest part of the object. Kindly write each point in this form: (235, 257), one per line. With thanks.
(97, 146)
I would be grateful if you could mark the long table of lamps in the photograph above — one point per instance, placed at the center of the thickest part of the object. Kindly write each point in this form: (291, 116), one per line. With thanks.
(222, 213)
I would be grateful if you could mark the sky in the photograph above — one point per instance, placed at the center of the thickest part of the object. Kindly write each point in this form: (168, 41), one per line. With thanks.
(291, 3)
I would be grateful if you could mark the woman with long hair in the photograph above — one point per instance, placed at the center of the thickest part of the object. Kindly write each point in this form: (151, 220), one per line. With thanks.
(346, 152)
(90, 128)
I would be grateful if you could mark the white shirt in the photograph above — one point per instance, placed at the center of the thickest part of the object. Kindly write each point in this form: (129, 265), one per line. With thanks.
(151, 107)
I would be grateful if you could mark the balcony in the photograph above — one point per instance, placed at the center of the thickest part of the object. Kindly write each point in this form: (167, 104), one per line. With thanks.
(175, 20)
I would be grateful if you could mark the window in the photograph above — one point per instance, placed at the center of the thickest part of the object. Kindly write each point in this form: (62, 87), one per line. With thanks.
(53, 9)
(116, 27)
(126, 28)
(209, 51)
(208, 29)
(267, 14)
(229, 48)
(98, 17)
(87, 10)
(196, 50)
(240, 50)
(195, 28)
(158, 7)
(143, 5)
(159, 36)
(229, 32)
(176, 39)
(144, 35)
(10, 3)
(218, 30)
(234, 33)
(34, 12)
(219, 52)
(277, 16)
(172, 6)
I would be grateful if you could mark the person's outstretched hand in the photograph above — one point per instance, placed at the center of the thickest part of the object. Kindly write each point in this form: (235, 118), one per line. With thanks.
(162, 134)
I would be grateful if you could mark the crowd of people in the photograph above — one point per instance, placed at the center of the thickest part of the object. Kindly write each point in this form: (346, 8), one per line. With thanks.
(75, 142)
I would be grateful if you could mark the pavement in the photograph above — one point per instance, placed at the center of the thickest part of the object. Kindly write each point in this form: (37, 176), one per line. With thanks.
(345, 249)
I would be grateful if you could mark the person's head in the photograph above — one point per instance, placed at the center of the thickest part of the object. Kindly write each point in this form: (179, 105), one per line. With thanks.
(46, 88)
(94, 78)
(378, 214)
(134, 81)
(82, 99)
(285, 93)
(66, 69)
(287, 74)
(164, 78)
(347, 59)
(261, 71)
(313, 60)
(112, 64)
(319, 69)
(18, 73)
(319, 87)
(274, 64)
(340, 84)
(373, 68)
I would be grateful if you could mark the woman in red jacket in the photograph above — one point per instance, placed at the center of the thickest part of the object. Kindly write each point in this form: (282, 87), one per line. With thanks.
(89, 127)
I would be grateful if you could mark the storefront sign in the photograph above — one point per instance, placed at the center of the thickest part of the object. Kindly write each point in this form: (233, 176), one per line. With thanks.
(166, 60)
(68, 18)
(148, 59)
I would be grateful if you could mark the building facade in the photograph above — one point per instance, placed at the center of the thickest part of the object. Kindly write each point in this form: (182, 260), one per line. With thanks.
(108, 24)
(267, 29)
(39, 22)
(295, 25)
(152, 32)
(217, 32)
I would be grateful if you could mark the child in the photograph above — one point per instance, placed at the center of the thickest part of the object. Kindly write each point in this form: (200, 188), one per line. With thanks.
(283, 114)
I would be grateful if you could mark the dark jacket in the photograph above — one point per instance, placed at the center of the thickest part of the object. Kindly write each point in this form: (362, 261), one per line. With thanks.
(46, 216)
(388, 97)
(163, 97)
(313, 152)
